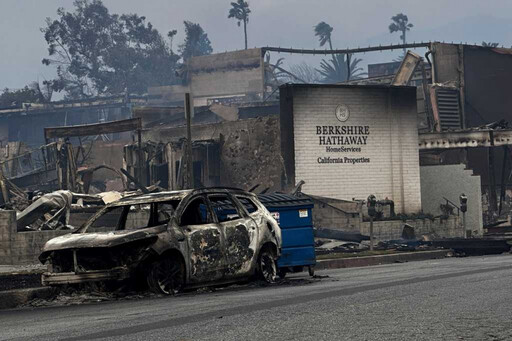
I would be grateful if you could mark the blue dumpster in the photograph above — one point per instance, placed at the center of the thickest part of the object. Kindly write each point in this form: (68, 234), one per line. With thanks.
(294, 216)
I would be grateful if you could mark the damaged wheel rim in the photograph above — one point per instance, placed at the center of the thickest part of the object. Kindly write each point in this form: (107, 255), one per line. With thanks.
(268, 268)
(168, 277)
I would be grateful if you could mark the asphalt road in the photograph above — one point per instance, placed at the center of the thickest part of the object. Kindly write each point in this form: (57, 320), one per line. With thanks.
(448, 299)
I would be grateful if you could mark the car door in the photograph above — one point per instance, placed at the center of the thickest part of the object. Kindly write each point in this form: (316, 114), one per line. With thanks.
(239, 233)
(205, 241)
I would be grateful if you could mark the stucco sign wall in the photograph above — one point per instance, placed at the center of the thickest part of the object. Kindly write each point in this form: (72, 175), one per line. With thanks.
(343, 139)
(353, 141)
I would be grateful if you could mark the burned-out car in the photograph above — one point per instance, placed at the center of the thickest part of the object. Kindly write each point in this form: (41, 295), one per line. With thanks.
(171, 240)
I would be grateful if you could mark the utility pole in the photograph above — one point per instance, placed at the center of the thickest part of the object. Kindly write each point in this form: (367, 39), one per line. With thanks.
(189, 175)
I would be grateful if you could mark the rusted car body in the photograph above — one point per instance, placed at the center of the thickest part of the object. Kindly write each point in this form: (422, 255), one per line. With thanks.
(172, 240)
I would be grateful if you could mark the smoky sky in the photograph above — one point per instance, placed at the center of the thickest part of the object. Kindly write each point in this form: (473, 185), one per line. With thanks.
(285, 23)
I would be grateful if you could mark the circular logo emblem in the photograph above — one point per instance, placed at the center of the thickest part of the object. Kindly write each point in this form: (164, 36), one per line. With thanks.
(342, 113)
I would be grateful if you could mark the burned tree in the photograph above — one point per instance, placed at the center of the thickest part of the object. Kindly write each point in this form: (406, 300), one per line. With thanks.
(96, 52)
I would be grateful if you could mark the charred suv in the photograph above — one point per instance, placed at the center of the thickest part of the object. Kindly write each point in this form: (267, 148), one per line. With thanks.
(171, 240)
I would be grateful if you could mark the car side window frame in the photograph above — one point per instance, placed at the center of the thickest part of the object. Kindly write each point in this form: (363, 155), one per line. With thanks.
(241, 213)
(121, 223)
(246, 212)
(210, 216)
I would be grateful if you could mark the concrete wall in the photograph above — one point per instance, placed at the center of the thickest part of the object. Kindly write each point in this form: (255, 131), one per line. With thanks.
(346, 216)
(249, 149)
(167, 94)
(106, 153)
(18, 248)
(450, 181)
(388, 148)
(21, 247)
(336, 214)
(228, 74)
(392, 229)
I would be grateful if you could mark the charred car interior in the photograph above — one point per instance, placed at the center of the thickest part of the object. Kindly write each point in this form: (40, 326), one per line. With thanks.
(169, 241)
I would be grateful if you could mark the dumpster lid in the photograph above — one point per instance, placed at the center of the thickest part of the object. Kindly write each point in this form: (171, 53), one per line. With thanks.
(284, 200)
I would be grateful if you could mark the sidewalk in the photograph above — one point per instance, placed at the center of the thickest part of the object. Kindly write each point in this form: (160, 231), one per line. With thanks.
(401, 257)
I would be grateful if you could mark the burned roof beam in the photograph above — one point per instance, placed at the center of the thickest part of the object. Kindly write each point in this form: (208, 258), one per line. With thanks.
(94, 129)
(357, 50)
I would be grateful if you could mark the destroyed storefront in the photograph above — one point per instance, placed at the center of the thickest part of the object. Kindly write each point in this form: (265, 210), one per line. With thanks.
(165, 163)
(240, 153)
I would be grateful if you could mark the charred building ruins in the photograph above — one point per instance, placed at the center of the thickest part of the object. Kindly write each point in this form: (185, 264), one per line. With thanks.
(415, 134)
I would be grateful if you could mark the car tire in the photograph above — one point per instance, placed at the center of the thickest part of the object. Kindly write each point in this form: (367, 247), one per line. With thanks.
(166, 276)
(267, 267)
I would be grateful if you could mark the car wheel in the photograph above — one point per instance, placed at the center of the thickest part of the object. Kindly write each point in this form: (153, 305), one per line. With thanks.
(267, 267)
(166, 276)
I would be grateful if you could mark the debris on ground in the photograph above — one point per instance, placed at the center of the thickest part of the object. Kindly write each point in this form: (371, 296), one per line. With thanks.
(330, 233)
(329, 246)
(71, 296)
(326, 246)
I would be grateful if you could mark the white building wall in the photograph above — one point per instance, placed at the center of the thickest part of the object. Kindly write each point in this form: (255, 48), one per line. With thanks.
(391, 146)
(450, 181)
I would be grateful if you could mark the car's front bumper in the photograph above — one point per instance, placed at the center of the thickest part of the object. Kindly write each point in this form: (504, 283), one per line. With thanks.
(52, 278)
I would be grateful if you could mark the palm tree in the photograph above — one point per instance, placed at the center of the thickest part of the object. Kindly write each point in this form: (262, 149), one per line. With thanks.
(240, 11)
(323, 31)
(489, 44)
(340, 69)
(171, 34)
(400, 24)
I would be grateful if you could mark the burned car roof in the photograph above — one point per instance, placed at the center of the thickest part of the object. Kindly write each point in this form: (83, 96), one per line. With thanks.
(152, 197)
(173, 195)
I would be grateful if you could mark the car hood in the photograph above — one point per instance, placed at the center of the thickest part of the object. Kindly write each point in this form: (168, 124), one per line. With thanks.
(99, 239)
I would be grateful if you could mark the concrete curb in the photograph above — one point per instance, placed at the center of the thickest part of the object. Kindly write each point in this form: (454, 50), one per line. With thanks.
(14, 298)
(381, 259)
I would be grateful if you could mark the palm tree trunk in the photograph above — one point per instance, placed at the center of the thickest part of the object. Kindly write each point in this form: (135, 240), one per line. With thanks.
(348, 67)
(245, 32)
(404, 40)
(333, 57)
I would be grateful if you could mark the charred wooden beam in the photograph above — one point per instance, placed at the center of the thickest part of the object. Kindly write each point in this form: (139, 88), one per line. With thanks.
(94, 129)
(356, 50)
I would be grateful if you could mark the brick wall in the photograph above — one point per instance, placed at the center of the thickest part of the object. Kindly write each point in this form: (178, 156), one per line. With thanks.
(392, 144)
